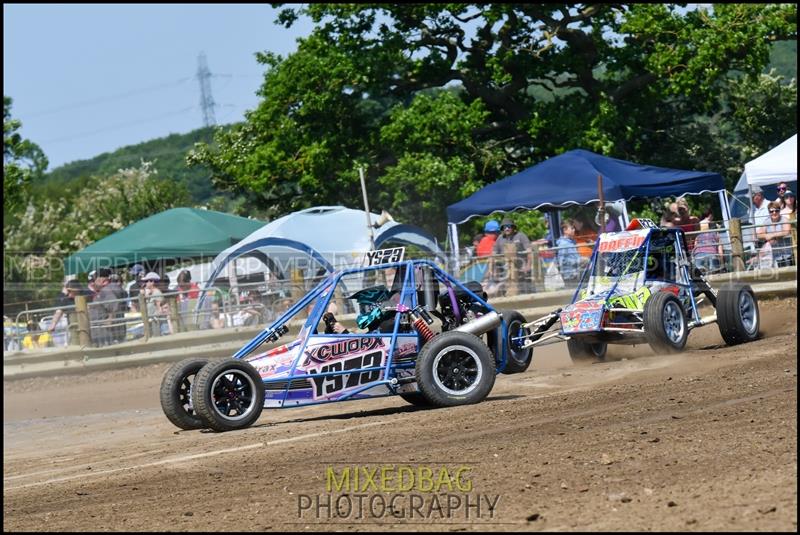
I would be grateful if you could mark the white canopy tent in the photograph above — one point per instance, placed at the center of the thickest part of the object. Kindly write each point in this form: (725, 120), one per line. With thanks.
(201, 273)
(777, 165)
(772, 167)
(321, 239)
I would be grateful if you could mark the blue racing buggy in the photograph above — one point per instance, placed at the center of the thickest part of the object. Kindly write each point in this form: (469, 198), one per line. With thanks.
(423, 336)
(639, 287)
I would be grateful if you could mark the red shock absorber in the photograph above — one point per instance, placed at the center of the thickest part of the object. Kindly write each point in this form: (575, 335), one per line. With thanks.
(422, 328)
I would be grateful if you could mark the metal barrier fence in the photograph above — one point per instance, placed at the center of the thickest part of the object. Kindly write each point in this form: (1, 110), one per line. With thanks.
(111, 322)
(712, 251)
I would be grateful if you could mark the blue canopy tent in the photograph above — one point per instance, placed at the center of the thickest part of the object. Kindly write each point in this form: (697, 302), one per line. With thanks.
(571, 179)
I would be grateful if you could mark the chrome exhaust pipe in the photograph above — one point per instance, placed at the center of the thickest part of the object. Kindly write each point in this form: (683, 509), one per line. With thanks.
(482, 325)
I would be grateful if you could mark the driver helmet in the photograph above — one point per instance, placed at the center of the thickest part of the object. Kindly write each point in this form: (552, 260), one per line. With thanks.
(369, 305)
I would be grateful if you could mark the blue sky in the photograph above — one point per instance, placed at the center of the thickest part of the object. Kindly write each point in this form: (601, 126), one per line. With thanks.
(88, 79)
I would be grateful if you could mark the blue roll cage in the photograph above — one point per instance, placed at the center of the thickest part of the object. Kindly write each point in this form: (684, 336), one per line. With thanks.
(408, 291)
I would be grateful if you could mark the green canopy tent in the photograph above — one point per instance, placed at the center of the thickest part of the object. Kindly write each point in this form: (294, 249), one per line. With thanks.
(172, 234)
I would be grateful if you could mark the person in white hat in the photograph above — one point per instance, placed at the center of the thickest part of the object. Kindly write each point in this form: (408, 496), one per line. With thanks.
(760, 207)
(154, 297)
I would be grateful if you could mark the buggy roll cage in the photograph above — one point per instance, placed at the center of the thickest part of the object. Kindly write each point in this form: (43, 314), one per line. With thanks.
(408, 291)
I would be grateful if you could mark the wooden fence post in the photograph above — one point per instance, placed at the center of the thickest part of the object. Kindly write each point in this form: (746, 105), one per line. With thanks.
(536, 268)
(145, 319)
(512, 270)
(172, 303)
(737, 248)
(794, 240)
(84, 325)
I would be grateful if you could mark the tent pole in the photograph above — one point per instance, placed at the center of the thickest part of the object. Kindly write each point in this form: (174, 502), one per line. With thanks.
(366, 208)
(601, 209)
(725, 206)
(625, 213)
(453, 235)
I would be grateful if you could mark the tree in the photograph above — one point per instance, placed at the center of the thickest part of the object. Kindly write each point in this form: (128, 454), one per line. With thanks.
(440, 99)
(22, 161)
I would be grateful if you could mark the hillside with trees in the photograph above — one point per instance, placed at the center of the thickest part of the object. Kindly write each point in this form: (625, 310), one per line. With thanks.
(167, 156)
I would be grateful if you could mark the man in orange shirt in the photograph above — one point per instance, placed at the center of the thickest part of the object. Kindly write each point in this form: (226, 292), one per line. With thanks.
(491, 230)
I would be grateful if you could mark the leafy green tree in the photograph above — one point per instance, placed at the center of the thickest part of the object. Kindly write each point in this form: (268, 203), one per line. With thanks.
(440, 99)
(23, 160)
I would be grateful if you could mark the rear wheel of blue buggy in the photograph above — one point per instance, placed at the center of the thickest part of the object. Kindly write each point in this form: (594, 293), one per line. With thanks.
(665, 325)
(228, 394)
(580, 351)
(176, 393)
(455, 368)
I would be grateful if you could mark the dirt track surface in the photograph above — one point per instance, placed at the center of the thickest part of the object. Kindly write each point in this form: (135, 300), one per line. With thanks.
(704, 440)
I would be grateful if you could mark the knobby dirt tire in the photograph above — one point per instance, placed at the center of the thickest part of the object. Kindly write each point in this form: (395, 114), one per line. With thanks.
(455, 368)
(175, 393)
(738, 317)
(580, 351)
(665, 324)
(225, 386)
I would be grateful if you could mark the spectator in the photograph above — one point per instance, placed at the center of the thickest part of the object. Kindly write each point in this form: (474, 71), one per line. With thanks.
(217, 320)
(760, 213)
(688, 222)
(491, 231)
(511, 236)
(92, 285)
(187, 288)
(707, 253)
(567, 255)
(789, 210)
(775, 233)
(253, 313)
(71, 289)
(106, 311)
(156, 307)
(782, 189)
(585, 236)
(163, 283)
(668, 218)
(548, 239)
(119, 330)
(612, 220)
(135, 286)
(471, 251)
(187, 291)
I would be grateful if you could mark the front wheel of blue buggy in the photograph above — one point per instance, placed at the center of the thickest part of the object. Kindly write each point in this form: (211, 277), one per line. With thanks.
(228, 394)
(455, 368)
